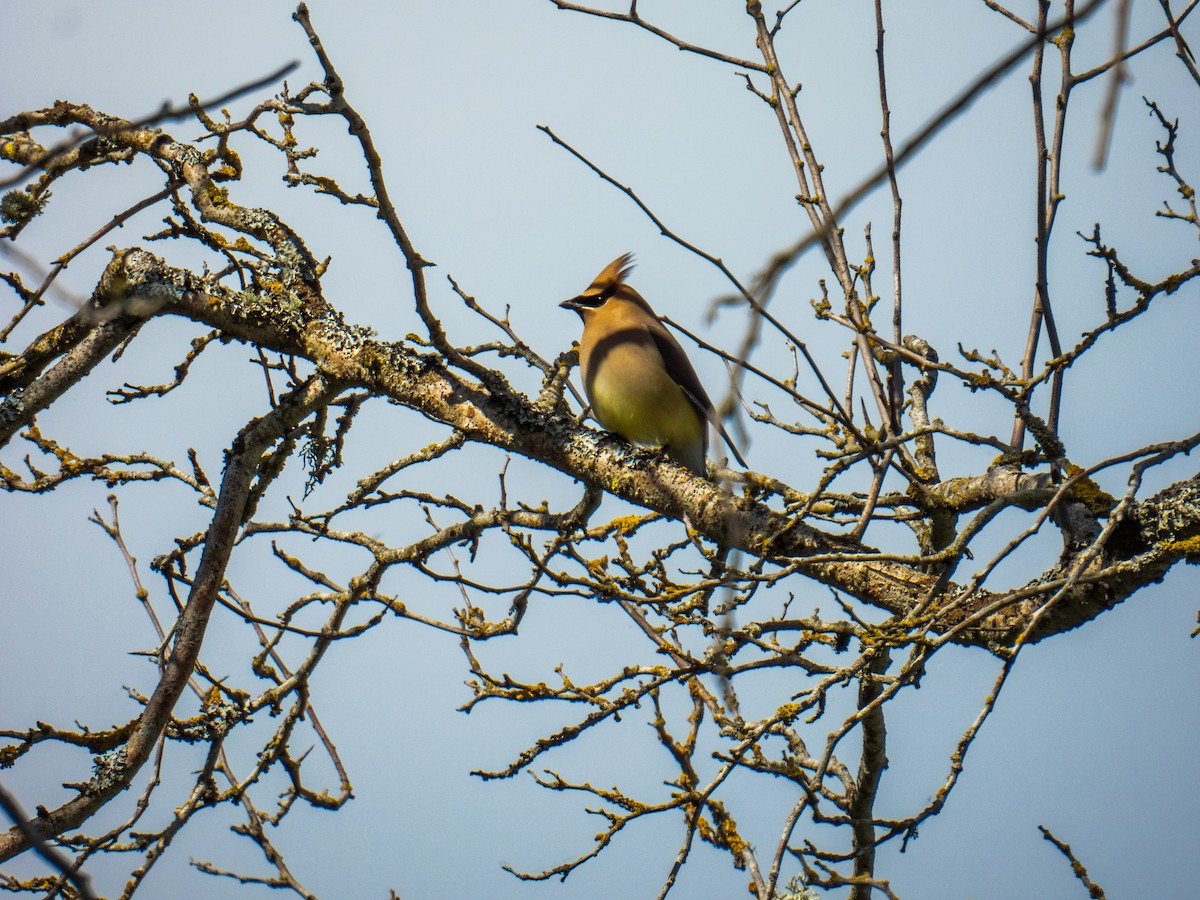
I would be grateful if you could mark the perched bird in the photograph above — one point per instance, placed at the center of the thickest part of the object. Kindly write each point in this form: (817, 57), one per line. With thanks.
(637, 377)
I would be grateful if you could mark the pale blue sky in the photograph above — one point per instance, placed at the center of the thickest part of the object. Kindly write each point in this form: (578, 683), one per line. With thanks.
(1094, 736)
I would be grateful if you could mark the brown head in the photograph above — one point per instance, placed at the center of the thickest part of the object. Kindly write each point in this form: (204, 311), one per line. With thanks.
(604, 286)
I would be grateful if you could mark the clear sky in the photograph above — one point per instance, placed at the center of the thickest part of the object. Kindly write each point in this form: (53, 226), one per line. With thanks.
(1094, 736)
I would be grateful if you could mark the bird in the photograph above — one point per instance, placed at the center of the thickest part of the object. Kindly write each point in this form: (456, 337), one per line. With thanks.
(637, 377)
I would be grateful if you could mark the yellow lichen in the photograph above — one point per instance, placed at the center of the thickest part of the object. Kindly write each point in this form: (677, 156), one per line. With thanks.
(1188, 548)
(787, 713)
(732, 839)
(626, 524)
(1087, 492)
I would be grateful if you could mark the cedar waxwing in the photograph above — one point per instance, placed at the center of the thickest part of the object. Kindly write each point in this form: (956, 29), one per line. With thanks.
(637, 377)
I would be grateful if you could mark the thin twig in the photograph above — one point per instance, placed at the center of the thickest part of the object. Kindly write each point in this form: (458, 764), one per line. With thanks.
(165, 113)
(1094, 890)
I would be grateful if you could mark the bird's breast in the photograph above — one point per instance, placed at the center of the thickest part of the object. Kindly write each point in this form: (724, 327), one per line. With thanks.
(632, 393)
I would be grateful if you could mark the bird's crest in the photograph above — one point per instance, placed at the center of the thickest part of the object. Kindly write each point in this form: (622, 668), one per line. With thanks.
(613, 274)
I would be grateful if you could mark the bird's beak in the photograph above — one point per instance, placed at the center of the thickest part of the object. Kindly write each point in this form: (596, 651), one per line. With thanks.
(573, 303)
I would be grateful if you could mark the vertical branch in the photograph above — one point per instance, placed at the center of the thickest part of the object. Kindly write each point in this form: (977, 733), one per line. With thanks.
(1039, 129)
(1065, 41)
(804, 161)
(815, 199)
(1117, 79)
(896, 375)
(1049, 163)
(870, 772)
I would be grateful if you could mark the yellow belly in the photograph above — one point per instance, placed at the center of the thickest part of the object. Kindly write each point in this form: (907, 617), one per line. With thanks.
(645, 406)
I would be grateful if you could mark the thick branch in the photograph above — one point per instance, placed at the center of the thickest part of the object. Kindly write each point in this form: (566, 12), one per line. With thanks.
(425, 383)
(243, 464)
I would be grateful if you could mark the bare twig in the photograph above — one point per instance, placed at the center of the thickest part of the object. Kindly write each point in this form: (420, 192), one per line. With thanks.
(1094, 890)
(165, 113)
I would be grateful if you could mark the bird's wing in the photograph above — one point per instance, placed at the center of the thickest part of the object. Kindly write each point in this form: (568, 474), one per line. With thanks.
(679, 367)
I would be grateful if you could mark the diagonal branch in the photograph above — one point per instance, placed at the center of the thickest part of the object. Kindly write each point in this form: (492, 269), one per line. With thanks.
(241, 468)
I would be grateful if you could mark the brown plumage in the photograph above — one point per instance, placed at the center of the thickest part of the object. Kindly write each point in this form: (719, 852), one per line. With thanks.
(637, 378)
